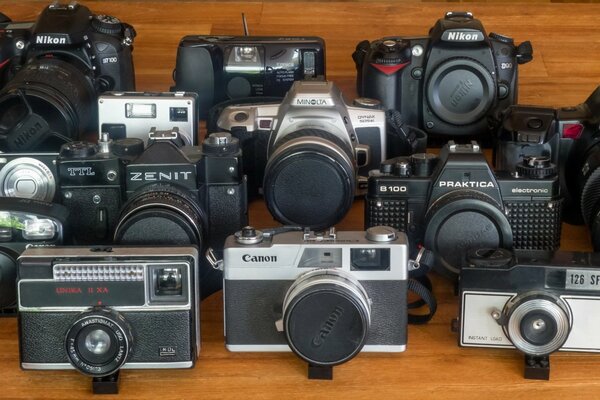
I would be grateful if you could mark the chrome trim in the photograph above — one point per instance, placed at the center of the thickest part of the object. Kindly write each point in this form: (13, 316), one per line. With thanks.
(148, 365)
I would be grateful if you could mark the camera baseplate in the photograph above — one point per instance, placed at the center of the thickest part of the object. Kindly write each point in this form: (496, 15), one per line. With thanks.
(320, 372)
(106, 384)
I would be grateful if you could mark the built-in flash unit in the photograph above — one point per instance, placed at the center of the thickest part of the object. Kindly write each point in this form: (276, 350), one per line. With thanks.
(137, 110)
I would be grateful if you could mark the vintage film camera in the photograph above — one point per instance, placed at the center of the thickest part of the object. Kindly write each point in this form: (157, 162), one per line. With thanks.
(308, 150)
(218, 68)
(53, 70)
(105, 308)
(453, 82)
(569, 135)
(25, 222)
(455, 202)
(325, 297)
(135, 114)
(535, 306)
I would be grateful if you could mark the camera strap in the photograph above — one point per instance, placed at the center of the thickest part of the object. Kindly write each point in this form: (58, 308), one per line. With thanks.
(420, 285)
(404, 139)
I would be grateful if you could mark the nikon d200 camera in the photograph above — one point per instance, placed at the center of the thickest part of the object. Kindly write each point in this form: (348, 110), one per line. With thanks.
(309, 149)
(455, 202)
(54, 69)
(325, 296)
(453, 82)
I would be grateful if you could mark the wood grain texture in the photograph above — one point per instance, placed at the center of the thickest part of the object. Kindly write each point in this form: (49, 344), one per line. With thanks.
(566, 68)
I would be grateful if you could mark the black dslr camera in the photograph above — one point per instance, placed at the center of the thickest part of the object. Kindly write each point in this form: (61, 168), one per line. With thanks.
(455, 202)
(52, 72)
(453, 82)
(570, 136)
(536, 306)
(229, 67)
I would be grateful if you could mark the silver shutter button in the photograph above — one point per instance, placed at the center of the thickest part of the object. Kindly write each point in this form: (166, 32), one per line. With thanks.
(381, 234)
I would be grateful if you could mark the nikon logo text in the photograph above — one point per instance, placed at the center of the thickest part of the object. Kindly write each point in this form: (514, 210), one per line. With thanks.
(470, 184)
(25, 136)
(45, 39)
(328, 326)
(463, 89)
(159, 176)
(458, 36)
(313, 102)
(249, 258)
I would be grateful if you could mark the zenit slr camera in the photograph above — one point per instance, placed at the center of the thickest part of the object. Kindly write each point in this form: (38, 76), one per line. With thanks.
(325, 296)
(135, 114)
(98, 310)
(535, 306)
(570, 136)
(455, 202)
(453, 82)
(219, 68)
(53, 70)
(307, 150)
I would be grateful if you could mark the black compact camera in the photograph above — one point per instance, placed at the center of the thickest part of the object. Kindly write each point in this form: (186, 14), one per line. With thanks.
(52, 72)
(454, 202)
(570, 136)
(536, 306)
(229, 67)
(167, 194)
(453, 82)
(98, 310)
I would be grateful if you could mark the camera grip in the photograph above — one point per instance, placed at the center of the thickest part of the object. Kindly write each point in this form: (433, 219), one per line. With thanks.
(195, 72)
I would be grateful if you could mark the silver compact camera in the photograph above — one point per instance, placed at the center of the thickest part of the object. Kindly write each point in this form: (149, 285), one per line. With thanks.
(311, 147)
(101, 309)
(135, 114)
(325, 296)
(536, 306)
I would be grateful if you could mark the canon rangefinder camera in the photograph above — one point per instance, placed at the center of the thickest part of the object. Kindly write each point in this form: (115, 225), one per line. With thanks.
(536, 306)
(219, 68)
(455, 202)
(323, 296)
(453, 82)
(307, 152)
(53, 71)
(101, 309)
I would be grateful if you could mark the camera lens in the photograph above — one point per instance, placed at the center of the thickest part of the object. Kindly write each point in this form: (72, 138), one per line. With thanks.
(310, 179)
(537, 324)
(26, 177)
(47, 103)
(326, 317)
(8, 277)
(99, 342)
(460, 91)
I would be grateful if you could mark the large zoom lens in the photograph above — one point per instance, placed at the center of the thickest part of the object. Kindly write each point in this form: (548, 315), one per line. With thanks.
(310, 179)
(99, 342)
(47, 103)
(326, 317)
(537, 324)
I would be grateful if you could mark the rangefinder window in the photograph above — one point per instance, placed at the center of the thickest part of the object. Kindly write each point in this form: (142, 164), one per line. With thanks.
(369, 259)
(323, 257)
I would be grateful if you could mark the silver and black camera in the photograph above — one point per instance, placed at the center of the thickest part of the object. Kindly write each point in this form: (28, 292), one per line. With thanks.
(309, 148)
(101, 309)
(536, 306)
(325, 297)
(29, 176)
(135, 114)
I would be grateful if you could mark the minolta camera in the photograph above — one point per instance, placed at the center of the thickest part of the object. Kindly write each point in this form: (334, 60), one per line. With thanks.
(308, 149)
(569, 135)
(324, 296)
(453, 82)
(218, 68)
(456, 202)
(101, 309)
(54, 69)
(168, 193)
(535, 306)
(135, 114)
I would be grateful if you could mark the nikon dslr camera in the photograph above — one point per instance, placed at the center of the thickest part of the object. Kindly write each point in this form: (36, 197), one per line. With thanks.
(325, 296)
(453, 82)
(537, 307)
(219, 68)
(308, 149)
(53, 70)
(101, 309)
(455, 202)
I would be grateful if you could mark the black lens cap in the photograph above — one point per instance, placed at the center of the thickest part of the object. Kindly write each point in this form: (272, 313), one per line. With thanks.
(326, 325)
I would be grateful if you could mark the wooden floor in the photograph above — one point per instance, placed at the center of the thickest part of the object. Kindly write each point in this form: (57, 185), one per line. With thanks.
(566, 68)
